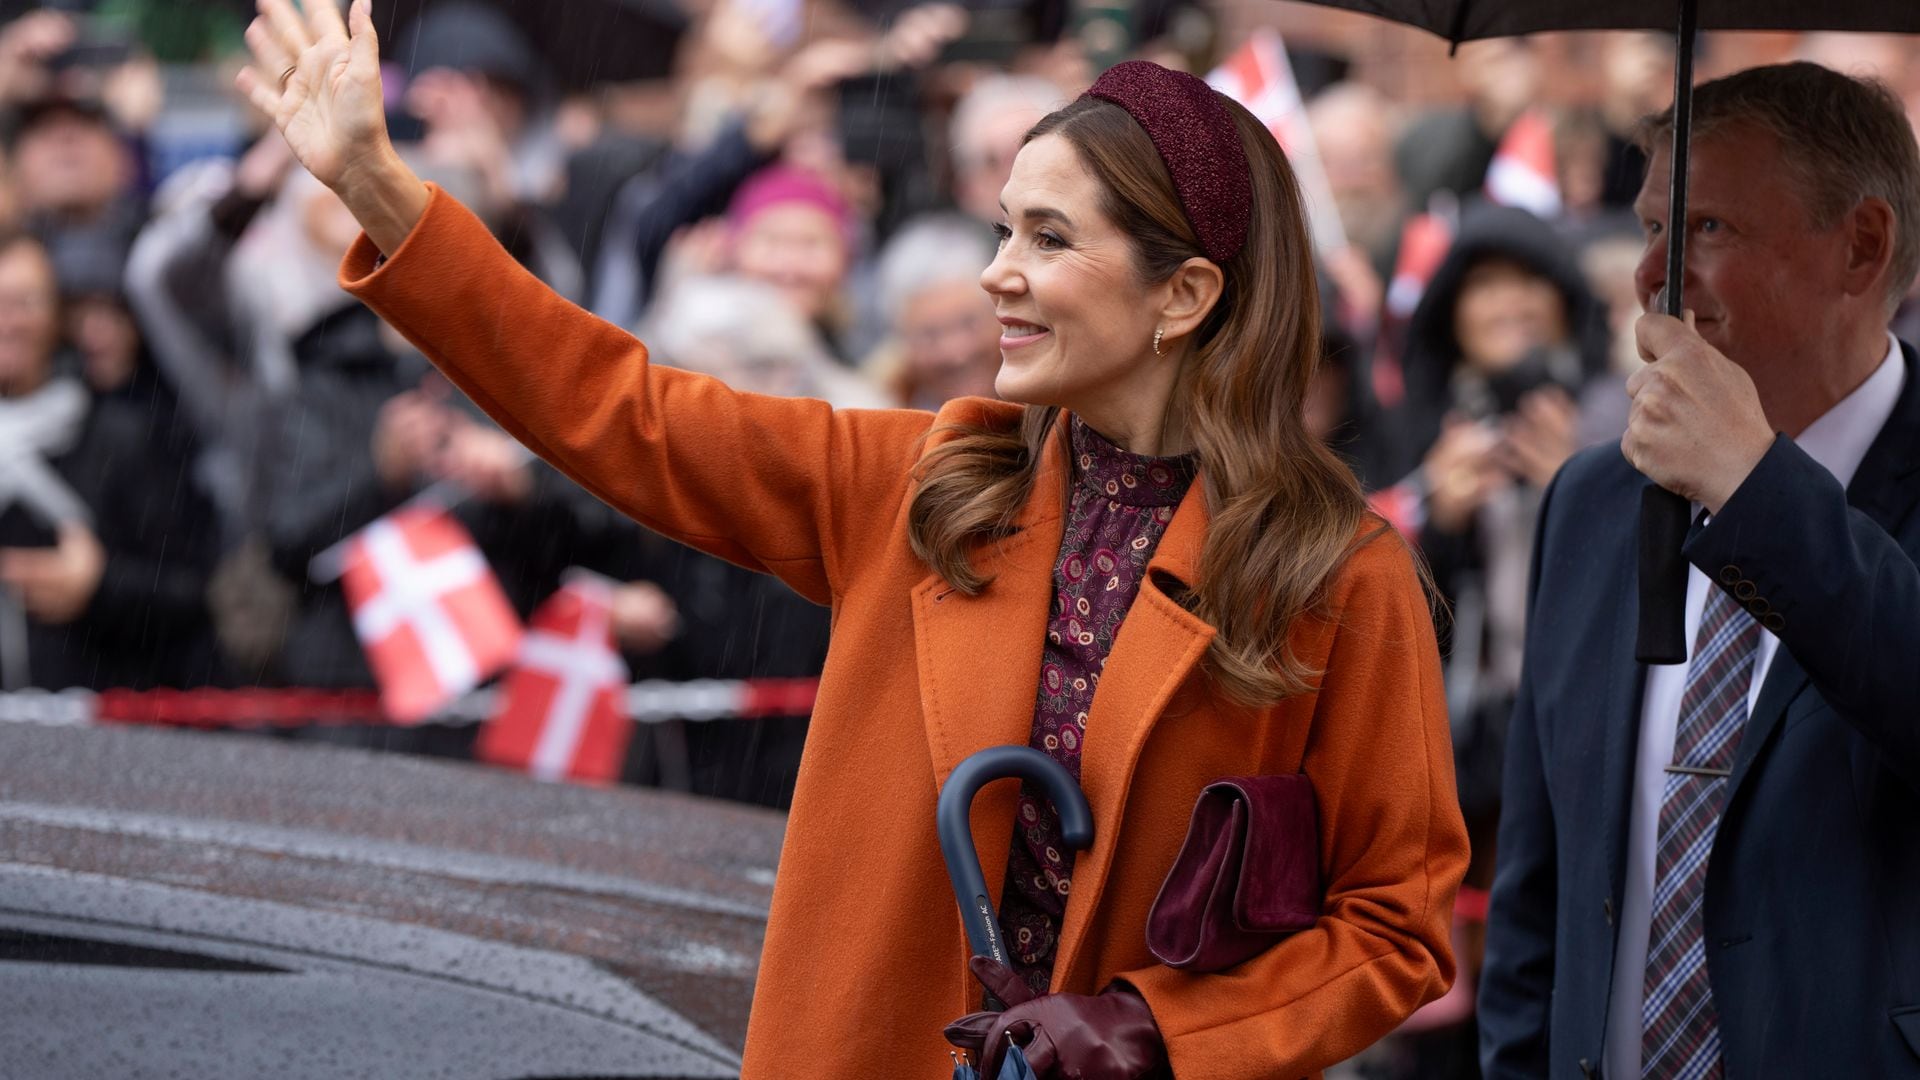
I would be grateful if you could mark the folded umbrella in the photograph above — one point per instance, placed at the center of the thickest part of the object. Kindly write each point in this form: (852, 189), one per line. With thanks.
(952, 817)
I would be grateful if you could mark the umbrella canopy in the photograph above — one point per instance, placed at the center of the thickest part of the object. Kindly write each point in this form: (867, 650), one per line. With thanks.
(1664, 516)
(1471, 20)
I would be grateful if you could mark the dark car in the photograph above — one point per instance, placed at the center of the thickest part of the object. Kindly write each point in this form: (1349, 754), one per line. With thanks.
(188, 904)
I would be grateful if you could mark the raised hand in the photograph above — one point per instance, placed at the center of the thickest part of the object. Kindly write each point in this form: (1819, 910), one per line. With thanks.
(318, 77)
(320, 84)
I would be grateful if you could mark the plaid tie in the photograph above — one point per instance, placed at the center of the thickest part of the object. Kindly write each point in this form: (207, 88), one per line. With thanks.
(1680, 1037)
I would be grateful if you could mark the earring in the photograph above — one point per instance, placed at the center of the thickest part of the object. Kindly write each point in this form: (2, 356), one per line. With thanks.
(1157, 335)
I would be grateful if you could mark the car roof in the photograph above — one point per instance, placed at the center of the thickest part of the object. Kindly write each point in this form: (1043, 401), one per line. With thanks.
(200, 885)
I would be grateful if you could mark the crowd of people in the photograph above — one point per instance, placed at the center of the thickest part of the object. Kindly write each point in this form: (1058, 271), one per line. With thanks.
(202, 410)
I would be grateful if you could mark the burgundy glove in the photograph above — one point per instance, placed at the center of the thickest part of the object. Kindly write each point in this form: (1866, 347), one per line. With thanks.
(1109, 1036)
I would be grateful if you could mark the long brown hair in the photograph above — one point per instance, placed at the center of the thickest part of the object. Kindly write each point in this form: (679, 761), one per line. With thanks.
(1283, 510)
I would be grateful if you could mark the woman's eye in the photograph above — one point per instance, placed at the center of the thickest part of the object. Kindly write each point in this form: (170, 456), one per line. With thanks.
(1001, 234)
(1049, 240)
(1710, 225)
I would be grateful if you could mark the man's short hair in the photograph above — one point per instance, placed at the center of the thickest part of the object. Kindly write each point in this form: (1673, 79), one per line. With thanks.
(1842, 139)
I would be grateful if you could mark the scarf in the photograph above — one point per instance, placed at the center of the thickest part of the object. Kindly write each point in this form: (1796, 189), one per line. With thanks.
(33, 429)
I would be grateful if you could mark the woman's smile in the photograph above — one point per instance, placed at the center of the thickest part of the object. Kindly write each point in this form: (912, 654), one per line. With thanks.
(1018, 334)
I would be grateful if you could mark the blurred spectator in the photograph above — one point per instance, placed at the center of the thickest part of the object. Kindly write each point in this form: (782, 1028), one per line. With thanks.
(105, 545)
(479, 89)
(793, 231)
(654, 206)
(989, 124)
(1504, 345)
(75, 180)
(1450, 149)
(1355, 128)
(1636, 71)
(945, 339)
(749, 335)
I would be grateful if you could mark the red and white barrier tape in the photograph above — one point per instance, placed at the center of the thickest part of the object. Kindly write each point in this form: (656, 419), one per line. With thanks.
(649, 702)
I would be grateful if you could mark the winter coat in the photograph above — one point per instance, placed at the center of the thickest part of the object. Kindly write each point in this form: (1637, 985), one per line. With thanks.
(865, 958)
(147, 624)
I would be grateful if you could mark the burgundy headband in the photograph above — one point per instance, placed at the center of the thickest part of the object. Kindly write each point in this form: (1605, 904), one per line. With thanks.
(1196, 138)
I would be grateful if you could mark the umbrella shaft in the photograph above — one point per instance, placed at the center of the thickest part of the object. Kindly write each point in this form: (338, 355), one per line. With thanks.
(1682, 138)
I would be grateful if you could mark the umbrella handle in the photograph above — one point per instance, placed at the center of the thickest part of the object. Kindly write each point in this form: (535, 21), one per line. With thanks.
(952, 816)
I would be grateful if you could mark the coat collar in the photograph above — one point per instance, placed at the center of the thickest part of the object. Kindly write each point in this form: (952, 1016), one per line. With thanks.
(979, 666)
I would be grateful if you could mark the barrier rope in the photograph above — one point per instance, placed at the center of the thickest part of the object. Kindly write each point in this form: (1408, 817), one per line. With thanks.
(650, 702)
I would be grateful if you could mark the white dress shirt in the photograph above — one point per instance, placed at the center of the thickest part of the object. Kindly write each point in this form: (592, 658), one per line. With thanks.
(1838, 440)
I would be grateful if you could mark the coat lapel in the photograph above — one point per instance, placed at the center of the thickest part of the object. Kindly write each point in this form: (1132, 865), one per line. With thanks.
(1885, 488)
(1620, 709)
(1158, 646)
(979, 656)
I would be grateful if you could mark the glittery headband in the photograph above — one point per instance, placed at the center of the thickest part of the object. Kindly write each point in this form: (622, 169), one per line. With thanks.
(1197, 139)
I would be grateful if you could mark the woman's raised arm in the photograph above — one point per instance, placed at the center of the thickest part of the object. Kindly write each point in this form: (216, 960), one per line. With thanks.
(781, 485)
(318, 76)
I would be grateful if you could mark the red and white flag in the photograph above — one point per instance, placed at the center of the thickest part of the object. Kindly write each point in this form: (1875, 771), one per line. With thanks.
(1424, 242)
(427, 609)
(563, 713)
(1524, 172)
(1259, 77)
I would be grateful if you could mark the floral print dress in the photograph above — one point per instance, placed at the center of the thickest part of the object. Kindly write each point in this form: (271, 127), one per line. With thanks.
(1119, 508)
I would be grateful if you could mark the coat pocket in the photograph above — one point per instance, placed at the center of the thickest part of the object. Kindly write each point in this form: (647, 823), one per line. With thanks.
(1907, 1019)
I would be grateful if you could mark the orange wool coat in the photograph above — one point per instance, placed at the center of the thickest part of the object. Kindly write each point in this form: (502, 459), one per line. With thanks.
(865, 955)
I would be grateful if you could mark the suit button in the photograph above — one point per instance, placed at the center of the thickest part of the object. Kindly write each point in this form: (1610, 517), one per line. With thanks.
(1745, 591)
(1729, 574)
(1606, 908)
(1759, 606)
(1774, 622)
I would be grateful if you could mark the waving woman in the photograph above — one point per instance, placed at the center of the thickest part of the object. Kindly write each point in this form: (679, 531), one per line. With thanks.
(1139, 562)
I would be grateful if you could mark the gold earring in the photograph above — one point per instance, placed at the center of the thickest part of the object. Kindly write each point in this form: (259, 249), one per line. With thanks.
(1158, 333)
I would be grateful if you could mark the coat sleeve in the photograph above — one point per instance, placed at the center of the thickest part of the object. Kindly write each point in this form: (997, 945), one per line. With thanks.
(1393, 851)
(781, 485)
(1846, 593)
(1516, 982)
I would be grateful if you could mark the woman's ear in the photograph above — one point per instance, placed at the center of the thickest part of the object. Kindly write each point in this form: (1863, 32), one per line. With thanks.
(1191, 294)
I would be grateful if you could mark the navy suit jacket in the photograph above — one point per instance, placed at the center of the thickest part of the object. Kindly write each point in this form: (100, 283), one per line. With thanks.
(1812, 907)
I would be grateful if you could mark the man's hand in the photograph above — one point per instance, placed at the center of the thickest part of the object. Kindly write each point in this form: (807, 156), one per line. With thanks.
(1540, 436)
(1696, 427)
(1462, 472)
(644, 617)
(485, 461)
(56, 584)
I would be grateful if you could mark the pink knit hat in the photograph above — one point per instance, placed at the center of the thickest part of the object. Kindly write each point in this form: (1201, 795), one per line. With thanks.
(778, 185)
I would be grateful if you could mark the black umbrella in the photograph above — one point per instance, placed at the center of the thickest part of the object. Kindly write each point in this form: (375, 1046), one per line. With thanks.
(1663, 515)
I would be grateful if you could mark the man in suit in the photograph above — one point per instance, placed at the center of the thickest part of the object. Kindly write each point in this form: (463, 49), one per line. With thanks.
(1712, 869)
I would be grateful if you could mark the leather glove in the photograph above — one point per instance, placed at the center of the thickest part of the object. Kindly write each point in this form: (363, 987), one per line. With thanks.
(1108, 1036)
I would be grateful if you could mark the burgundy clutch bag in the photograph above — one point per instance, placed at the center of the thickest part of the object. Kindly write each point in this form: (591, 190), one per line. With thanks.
(1247, 875)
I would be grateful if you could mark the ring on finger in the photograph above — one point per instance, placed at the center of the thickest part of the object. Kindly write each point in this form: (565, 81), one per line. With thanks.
(286, 75)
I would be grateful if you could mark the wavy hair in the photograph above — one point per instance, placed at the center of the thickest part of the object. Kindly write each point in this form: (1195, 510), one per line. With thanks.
(1283, 509)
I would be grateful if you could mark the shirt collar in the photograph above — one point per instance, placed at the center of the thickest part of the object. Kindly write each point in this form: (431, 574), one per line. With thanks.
(1108, 471)
(1839, 439)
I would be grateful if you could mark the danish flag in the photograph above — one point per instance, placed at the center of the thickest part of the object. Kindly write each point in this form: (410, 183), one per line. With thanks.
(1523, 172)
(563, 715)
(427, 609)
(1259, 77)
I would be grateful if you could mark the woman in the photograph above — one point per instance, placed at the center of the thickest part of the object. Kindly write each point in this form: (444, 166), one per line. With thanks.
(1275, 629)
